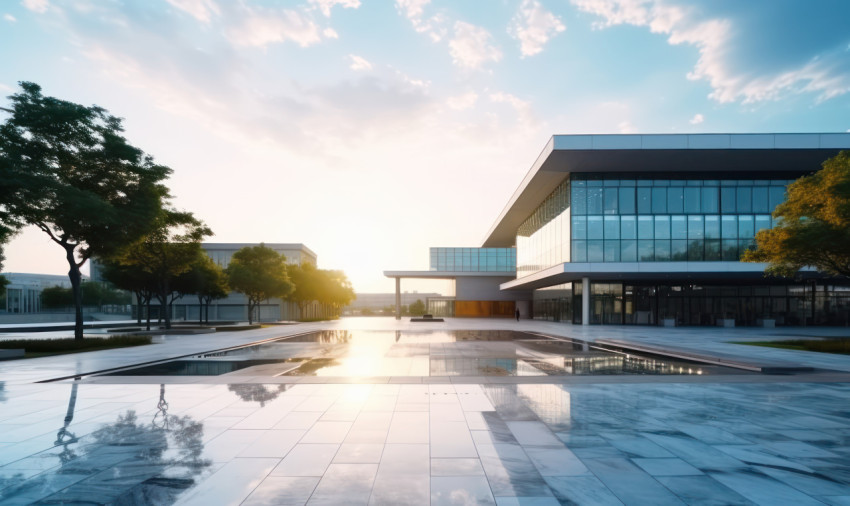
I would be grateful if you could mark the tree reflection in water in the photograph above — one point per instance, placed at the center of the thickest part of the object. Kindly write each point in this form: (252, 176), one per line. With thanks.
(125, 462)
(255, 392)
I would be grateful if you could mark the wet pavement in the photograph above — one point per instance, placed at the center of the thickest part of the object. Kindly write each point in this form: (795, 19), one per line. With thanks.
(352, 435)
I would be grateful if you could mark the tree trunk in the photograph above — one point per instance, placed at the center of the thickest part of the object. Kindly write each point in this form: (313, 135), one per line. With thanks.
(76, 289)
(138, 307)
(250, 312)
(148, 311)
(200, 310)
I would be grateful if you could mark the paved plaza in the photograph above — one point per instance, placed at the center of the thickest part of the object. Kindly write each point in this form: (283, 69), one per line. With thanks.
(387, 431)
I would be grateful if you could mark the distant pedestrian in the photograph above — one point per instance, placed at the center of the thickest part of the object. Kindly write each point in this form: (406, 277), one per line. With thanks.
(517, 314)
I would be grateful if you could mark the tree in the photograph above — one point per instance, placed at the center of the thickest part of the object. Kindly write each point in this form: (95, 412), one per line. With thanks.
(259, 273)
(67, 169)
(207, 280)
(132, 279)
(166, 253)
(338, 291)
(56, 297)
(417, 308)
(813, 226)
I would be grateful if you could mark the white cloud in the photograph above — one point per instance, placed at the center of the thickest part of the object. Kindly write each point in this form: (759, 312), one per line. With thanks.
(202, 10)
(697, 119)
(414, 10)
(263, 27)
(326, 5)
(524, 112)
(471, 46)
(626, 127)
(10, 18)
(462, 102)
(39, 6)
(330, 33)
(533, 26)
(722, 42)
(359, 63)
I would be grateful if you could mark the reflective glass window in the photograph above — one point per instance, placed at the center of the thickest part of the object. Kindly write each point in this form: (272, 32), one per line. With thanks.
(729, 227)
(695, 227)
(645, 227)
(644, 200)
(695, 250)
(628, 227)
(760, 200)
(594, 227)
(579, 253)
(730, 249)
(692, 200)
(594, 251)
(727, 200)
(744, 202)
(594, 201)
(612, 227)
(662, 227)
(776, 194)
(712, 249)
(678, 227)
(659, 200)
(710, 201)
(675, 200)
(712, 227)
(578, 202)
(610, 201)
(612, 251)
(628, 250)
(746, 227)
(645, 251)
(579, 227)
(678, 250)
(627, 200)
(662, 251)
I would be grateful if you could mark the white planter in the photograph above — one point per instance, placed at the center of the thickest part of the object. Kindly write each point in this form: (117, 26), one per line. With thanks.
(668, 322)
(726, 322)
(767, 323)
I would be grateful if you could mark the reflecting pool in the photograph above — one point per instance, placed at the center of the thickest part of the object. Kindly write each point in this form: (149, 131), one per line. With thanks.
(362, 353)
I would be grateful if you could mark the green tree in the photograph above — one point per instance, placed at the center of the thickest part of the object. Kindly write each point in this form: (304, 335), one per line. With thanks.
(132, 279)
(259, 273)
(417, 308)
(67, 169)
(166, 253)
(205, 279)
(813, 227)
(54, 297)
(337, 292)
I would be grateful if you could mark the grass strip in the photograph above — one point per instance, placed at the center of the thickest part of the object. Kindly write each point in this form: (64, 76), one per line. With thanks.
(839, 345)
(46, 347)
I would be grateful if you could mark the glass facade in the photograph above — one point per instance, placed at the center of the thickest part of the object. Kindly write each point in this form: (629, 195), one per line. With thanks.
(543, 239)
(662, 219)
(697, 304)
(473, 259)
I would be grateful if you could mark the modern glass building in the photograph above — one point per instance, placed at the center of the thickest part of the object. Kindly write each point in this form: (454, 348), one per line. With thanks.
(649, 229)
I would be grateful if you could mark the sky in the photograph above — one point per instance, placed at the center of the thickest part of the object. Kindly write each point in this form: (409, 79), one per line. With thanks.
(371, 130)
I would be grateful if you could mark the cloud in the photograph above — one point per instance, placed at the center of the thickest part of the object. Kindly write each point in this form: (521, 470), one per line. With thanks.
(471, 46)
(262, 27)
(359, 63)
(523, 109)
(697, 119)
(330, 33)
(626, 127)
(414, 10)
(748, 51)
(462, 102)
(326, 5)
(533, 26)
(10, 18)
(202, 10)
(39, 6)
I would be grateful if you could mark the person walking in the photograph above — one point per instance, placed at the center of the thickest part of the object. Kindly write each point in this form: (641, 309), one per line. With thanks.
(517, 314)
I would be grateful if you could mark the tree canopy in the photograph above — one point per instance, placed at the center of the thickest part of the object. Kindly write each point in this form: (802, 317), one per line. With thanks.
(259, 273)
(68, 170)
(205, 279)
(328, 287)
(813, 227)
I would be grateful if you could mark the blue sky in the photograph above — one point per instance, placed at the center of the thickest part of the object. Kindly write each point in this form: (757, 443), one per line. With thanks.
(370, 130)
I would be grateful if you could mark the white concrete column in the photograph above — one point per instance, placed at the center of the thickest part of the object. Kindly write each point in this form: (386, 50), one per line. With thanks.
(585, 301)
(398, 298)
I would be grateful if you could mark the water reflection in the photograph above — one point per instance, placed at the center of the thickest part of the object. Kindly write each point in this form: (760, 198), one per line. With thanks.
(128, 461)
(343, 353)
(253, 392)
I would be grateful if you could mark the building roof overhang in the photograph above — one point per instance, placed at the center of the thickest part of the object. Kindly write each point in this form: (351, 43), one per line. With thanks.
(448, 274)
(643, 271)
(564, 154)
